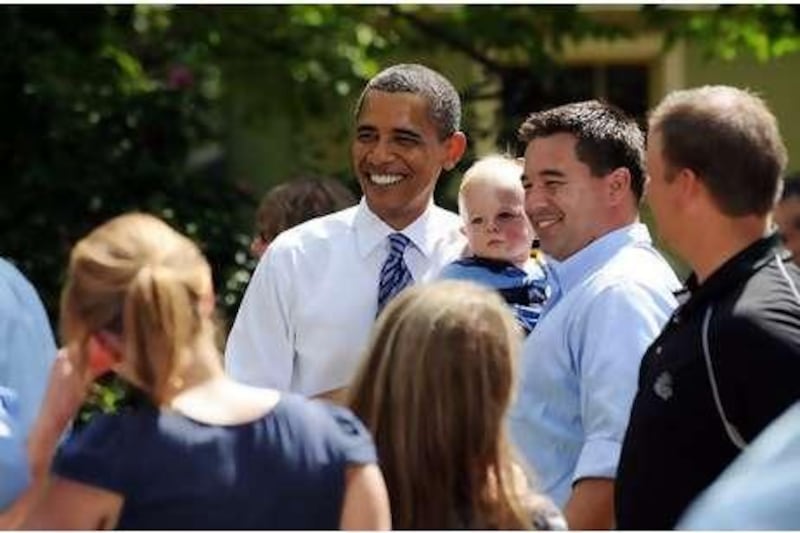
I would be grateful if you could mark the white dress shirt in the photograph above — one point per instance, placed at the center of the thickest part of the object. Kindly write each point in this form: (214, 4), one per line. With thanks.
(307, 313)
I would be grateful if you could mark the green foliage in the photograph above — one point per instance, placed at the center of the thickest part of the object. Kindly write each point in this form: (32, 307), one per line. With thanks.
(99, 122)
(766, 31)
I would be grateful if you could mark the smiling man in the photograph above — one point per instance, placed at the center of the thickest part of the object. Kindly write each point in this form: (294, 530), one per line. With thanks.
(307, 313)
(611, 293)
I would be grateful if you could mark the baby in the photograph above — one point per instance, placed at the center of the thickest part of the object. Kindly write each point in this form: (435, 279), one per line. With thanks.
(491, 202)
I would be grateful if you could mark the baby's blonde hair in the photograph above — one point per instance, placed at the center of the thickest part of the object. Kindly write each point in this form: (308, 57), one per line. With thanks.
(138, 278)
(497, 169)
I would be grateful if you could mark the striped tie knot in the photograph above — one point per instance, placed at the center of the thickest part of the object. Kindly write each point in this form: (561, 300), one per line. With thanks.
(395, 275)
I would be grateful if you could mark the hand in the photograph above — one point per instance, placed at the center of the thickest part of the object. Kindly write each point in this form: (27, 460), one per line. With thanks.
(66, 390)
(67, 387)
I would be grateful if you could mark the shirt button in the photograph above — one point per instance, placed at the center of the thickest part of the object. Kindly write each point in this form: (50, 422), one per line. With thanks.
(676, 319)
(658, 350)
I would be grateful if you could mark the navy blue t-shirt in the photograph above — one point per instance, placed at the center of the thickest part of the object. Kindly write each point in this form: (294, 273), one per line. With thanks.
(282, 471)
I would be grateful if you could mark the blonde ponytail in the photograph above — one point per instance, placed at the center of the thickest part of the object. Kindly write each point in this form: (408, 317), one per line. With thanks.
(138, 278)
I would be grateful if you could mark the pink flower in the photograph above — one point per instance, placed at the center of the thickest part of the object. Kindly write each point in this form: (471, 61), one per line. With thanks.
(180, 77)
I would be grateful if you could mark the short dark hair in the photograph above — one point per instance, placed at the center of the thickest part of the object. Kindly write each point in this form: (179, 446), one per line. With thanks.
(607, 137)
(729, 139)
(444, 104)
(300, 199)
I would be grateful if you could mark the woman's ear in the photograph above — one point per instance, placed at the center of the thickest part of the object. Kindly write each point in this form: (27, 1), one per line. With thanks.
(105, 351)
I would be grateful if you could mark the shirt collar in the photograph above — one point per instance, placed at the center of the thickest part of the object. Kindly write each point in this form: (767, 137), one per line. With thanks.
(739, 267)
(568, 273)
(372, 232)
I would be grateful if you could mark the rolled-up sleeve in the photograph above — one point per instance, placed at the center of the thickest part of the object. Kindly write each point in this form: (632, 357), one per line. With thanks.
(620, 324)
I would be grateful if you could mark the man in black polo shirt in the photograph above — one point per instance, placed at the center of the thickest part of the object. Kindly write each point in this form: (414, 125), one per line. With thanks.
(728, 361)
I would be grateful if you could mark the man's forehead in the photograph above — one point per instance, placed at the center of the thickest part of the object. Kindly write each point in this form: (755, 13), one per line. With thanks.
(396, 100)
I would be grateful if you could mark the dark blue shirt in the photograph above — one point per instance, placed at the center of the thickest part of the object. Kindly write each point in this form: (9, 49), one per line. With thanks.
(283, 471)
(524, 290)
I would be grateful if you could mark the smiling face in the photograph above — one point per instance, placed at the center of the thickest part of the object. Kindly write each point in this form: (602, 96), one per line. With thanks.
(398, 156)
(494, 220)
(565, 203)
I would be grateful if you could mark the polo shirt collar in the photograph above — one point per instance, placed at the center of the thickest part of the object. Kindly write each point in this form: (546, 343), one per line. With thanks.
(580, 265)
(736, 269)
(371, 231)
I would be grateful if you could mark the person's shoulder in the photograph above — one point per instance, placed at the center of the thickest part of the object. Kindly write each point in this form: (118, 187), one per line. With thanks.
(444, 227)
(326, 230)
(775, 286)
(440, 214)
(766, 319)
(445, 220)
(316, 414)
(96, 443)
(101, 426)
(14, 286)
(324, 227)
(333, 425)
(640, 265)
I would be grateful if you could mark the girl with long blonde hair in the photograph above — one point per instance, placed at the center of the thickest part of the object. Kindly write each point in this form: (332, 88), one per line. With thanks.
(434, 390)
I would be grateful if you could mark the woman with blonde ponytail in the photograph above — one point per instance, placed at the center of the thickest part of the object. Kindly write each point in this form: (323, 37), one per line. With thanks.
(203, 452)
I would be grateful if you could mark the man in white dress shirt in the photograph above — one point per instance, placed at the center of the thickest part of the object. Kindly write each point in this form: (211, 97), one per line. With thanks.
(308, 310)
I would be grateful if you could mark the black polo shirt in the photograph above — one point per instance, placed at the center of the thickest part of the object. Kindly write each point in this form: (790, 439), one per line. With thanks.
(676, 444)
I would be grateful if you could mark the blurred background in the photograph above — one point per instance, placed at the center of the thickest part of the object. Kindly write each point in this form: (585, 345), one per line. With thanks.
(192, 112)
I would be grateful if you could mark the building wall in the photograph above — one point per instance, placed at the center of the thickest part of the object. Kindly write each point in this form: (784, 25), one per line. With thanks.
(777, 81)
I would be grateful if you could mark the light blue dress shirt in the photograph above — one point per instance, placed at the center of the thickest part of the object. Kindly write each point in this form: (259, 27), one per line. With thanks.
(14, 475)
(580, 365)
(761, 488)
(27, 348)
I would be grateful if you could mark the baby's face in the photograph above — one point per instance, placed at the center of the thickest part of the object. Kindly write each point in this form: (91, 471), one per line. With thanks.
(495, 223)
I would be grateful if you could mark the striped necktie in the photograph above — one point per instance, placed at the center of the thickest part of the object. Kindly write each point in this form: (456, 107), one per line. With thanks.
(395, 275)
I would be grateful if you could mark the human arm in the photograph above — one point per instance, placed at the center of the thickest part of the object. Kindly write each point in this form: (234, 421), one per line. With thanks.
(260, 348)
(591, 504)
(366, 502)
(66, 390)
(14, 473)
(608, 366)
(68, 504)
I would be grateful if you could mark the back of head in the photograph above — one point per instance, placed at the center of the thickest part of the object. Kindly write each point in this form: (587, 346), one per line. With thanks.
(298, 200)
(136, 277)
(444, 104)
(607, 138)
(729, 139)
(434, 390)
